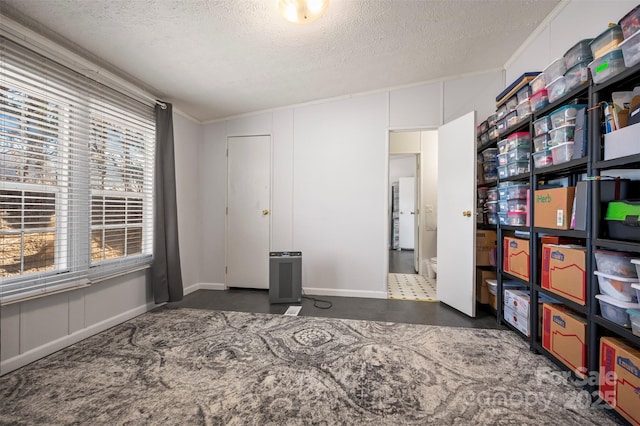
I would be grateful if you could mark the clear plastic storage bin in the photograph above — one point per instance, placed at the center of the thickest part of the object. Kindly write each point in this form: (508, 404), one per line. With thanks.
(512, 119)
(492, 206)
(490, 154)
(565, 115)
(562, 153)
(608, 65)
(511, 104)
(518, 190)
(518, 139)
(502, 218)
(542, 159)
(580, 52)
(488, 166)
(537, 83)
(518, 154)
(517, 168)
(541, 143)
(636, 287)
(615, 310)
(503, 159)
(492, 218)
(554, 70)
(615, 263)
(608, 40)
(516, 218)
(631, 50)
(523, 109)
(556, 89)
(482, 192)
(630, 23)
(503, 172)
(491, 120)
(501, 112)
(492, 194)
(517, 205)
(503, 146)
(541, 125)
(619, 288)
(503, 190)
(523, 94)
(561, 134)
(577, 75)
(539, 100)
(503, 206)
(634, 316)
(493, 133)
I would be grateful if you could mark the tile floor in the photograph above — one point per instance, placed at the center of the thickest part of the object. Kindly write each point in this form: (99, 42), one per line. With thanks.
(411, 287)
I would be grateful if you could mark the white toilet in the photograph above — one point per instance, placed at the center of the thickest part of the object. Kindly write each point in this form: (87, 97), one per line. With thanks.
(432, 267)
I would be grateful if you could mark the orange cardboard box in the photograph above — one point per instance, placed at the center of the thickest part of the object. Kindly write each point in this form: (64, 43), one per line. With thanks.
(564, 271)
(482, 292)
(553, 207)
(564, 335)
(516, 258)
(486, 242)
(620, 377)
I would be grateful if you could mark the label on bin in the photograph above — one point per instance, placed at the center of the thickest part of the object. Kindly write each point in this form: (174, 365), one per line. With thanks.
(602, 67)
(560, 217)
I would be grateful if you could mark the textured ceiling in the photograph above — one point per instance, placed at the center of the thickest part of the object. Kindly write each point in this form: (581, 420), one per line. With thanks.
(216, 59)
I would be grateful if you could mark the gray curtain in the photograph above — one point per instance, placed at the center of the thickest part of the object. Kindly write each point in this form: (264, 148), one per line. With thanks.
(165, 271)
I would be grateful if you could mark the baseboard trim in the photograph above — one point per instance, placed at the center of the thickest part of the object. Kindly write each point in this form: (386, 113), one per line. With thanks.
(48, 348)
(203, 286)
(344, 293)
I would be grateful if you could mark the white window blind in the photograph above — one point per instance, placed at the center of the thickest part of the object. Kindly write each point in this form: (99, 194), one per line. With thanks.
(76, 171)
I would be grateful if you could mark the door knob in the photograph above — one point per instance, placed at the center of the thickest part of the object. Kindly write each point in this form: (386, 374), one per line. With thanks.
(466, 213)
(265, 212)
(413, 212)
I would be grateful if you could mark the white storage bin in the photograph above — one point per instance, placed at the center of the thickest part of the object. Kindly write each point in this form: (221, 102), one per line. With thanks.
(561, 134)
(636, 287)
(537, 83)
(619, 288)
(562, 153)
(554, 70)
(565, 115)
(616, 263)
(631, 50)
(542, 159)
(556, 89)
(615, 310)
(492, 286)
(542, 125)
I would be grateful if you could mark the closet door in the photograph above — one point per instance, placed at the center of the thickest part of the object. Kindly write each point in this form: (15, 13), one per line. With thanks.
(248, 213)
(407, 201)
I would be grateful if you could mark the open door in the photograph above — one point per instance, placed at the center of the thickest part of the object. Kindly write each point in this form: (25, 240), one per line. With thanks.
(456, 214)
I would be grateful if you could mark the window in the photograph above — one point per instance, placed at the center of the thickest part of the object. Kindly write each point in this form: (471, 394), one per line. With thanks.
(76, 170)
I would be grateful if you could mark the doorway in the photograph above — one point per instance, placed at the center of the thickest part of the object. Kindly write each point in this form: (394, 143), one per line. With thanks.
(412, 181)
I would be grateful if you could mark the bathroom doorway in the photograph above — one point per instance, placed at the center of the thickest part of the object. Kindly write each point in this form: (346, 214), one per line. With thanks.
(412, 208)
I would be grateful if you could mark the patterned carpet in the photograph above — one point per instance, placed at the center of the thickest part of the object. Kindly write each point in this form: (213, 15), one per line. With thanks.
(411, 287)
(191, 367)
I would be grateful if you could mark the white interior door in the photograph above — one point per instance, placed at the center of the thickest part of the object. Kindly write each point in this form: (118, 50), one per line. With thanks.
(456, 214)
(248, 213)
(407, 203)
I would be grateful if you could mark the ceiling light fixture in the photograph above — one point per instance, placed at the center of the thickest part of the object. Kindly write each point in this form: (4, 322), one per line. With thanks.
(302, 11)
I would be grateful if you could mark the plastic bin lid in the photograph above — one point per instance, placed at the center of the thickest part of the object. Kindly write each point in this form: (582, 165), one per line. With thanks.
(619, 210)
(636, 286)
(634, 312)
(586, 41)
(636, 262)
(628, 40)
(612, 28)
(565, 107)
(617, 303)
(610, 55)
(581, 64)
(617, 278)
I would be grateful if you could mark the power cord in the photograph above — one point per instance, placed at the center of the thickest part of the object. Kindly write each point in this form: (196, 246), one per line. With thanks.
(317, 301)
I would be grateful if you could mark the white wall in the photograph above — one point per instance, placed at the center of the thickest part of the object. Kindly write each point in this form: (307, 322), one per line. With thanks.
(429, 200)
(578, 20)
(187, 138)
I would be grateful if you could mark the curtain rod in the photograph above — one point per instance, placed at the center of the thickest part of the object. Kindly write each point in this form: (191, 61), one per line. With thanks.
(31, 39)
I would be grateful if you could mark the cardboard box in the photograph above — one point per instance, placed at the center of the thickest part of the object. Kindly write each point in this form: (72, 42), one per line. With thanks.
(553, 207)
(493, 301)
(516, 258)
(564, 335)
(622, 142)
(518, 301)
(563, 271)
(482, 293)
(620, 377)
(519, 322)
(486, 244)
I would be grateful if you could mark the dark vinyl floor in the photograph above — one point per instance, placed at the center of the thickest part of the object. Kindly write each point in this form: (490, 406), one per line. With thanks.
(401, 262)
(247, 300)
